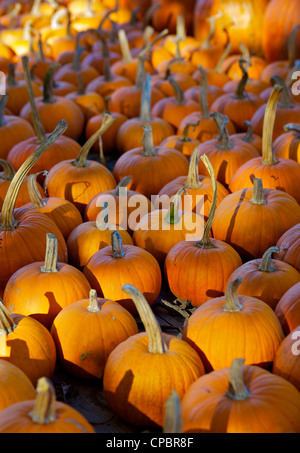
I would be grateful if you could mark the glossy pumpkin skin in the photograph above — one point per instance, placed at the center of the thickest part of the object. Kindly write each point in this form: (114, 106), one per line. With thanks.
(100, 332)
(33, 227)
(52, 291)
(188, 270)
(207, 408)
(107, 275)
(287, 146)
(206, 129)
(109, 138)
(289, 244)
(160, 168)
(137, 394)
(16, 419)
(34, 350)
(78, 184)
(204, 328)
(280, 18)
(15, 385)
(286, 363)
(266, 286)
(87, 239)
(288, 309)
(63, 148)
(250, 228)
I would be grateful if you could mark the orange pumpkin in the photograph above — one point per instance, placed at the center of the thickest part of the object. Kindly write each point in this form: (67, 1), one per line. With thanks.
(15, 385)
(131, 390)
(287, 144)
(288, 309)
(289, 244)
(106, 324)
(286, 362)
(43, 414)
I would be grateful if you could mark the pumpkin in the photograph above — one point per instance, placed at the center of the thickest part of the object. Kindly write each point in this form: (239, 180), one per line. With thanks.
(253, 219)
(43, 414)
(5, 179)
(63, 213)
(120, 263)
(183, 142)
(216, 76)
(79, 180)
(226, 154)
(286, 362)
(124, 203)
(278, 23)
(91, 236)
(250, 137)
(167, 12)
(56, 285)
(240, 399)
(288, 309)
(19, 332)
(287, 144)
(196, 92)
(13, 129)
(199, 187)
(19, 225)
(289, 244)
(160, 164)
(238, 106)
(276, 173)
(256, 64)
(203, 330)
(266, 279)
(15, 385)
(131, 389)
(55, 108)
(105, 323)
(242, 22)
(196, 258)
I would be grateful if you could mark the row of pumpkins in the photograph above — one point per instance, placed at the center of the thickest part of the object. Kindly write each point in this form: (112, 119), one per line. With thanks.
(185, 117)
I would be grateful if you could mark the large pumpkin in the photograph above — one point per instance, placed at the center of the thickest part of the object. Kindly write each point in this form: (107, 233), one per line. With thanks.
(241, 399)
(15, 385)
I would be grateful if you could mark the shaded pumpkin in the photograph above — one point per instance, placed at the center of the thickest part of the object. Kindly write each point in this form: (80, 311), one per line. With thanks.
(288, 309)
(286, 362)
(15, 385)
(289, 244)
(287, 145)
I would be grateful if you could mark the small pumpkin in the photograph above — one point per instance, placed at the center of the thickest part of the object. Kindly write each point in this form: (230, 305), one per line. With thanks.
(288, 309)
(237, 398)
(289, 244)
(129, 385)
(119, 263)
(287, 144)
(43, 414)
(96, 326)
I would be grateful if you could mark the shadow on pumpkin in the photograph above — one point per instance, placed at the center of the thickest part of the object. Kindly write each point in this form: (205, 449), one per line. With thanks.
(76, 190)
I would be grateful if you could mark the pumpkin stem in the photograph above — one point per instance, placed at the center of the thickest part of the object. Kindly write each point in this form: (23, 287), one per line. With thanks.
(140, 73)
(8, 170)
(218, 68)
(292, 127)
(203, 93)
(179, 94)
(205, 242)
(101, 152)
(192, 181)
(80, 84)
(212, 23)
(125, 50)
(236, 389)
(43, 411)
(48, 95)
(37, 124)
(102, 218)
(116, 244)
(35, 10)
(266, 264)
(232, 302)
(7, 324)
(180, 28)
(7, 220)
(249, 137)
(76, 63)
(34, 193)
(2, 109)
(148, 32)
(152, 327)
(56, 18)
(173, 417)
(240, 91)
(81, 160)
(292, 47)
(185, 133)
(172, 217)
(148, 147)
(258, 196)
(41, 55)
(122, 184)
(93, 301)
(106, 71)
(285, 100)
(146, 100)
(50, 264)
(11, 77)
(268, 157)
(223, 137)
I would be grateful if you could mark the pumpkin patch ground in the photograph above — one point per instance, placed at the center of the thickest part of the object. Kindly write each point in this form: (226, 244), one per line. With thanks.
(150, 216)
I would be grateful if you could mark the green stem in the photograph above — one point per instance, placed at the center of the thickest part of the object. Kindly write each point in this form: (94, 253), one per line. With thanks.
(172, 216)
